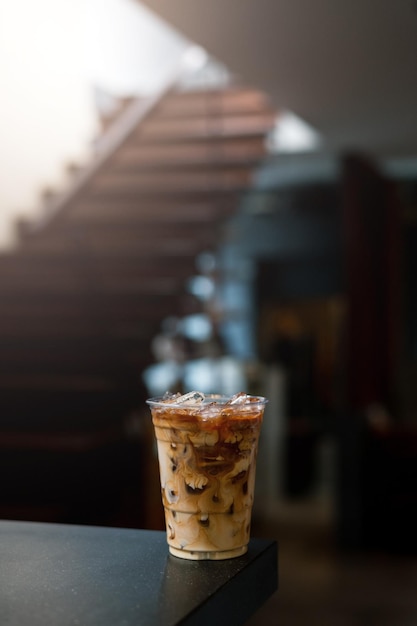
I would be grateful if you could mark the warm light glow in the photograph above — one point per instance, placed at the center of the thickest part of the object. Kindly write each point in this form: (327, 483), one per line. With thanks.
(128, 48)
(46, 110)
(292, 134)
(195, 58)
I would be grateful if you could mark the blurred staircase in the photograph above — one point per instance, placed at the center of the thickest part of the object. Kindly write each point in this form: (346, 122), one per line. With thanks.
(87, 289)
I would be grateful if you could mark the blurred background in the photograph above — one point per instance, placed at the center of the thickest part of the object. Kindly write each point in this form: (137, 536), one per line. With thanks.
(217, 196)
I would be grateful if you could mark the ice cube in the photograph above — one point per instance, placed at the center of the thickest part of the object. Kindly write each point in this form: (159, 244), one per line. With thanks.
(239, 398)
(210, 410)
(191, 398)
(170, 397)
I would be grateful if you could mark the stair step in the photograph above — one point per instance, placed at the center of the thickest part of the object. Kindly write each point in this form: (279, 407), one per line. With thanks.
(66, 328)
(64, 282)
(93, 346)
(230, 101)
(83, 303)
(53, 382)
(137, 210)
(53, 402)
(62, 441)
(198, 154)
(210, 129)
(68, 367)
(132, 246)
(72, 328)
(58, 361)
(82, 315)
(224, 179)
(30, 263)
(61, 279)
(128, 232)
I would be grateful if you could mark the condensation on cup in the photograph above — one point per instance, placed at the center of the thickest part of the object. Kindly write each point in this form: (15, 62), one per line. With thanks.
(207, 447)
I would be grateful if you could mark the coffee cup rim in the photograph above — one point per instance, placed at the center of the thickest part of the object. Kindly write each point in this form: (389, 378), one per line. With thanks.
(208, 398)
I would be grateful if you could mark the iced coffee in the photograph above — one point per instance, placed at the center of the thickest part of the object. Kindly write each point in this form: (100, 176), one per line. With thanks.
(207, 448)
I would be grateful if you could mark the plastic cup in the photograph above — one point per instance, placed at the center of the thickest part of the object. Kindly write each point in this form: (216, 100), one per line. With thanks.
(207, 460)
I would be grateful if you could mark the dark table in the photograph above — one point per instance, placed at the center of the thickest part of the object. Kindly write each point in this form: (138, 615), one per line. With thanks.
(58, 575)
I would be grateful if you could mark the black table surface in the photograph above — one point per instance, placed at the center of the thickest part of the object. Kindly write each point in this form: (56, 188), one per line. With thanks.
(57, 574)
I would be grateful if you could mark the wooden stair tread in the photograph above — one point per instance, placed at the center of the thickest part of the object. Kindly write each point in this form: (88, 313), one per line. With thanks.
(111, 247)
(191, 156)
(183, 181)
(51, 381)
(138, 210)
(208, 127)
(27, 262)
(62, 441)
(233, 100)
